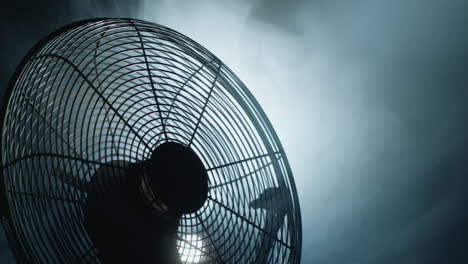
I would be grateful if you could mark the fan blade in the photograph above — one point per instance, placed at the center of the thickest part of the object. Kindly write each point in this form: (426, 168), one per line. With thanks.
(273, 202)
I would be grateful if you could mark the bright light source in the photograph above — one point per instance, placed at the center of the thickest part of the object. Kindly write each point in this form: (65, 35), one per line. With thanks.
(190, 249)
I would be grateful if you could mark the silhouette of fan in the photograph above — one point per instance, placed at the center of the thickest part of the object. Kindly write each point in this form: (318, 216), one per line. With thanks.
(124, 141)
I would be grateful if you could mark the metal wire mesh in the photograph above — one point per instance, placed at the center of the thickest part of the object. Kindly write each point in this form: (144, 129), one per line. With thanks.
(106, 90)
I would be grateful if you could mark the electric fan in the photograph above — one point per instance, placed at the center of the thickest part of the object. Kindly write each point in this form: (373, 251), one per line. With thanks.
(124, 141)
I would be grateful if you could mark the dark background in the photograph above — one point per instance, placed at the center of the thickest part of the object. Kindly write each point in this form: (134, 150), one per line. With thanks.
(369, 98)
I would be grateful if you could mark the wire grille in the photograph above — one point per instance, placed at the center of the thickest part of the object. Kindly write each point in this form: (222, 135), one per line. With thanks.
(106, 90)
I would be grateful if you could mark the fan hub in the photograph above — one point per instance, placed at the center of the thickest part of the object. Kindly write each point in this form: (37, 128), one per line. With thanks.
(178, 178)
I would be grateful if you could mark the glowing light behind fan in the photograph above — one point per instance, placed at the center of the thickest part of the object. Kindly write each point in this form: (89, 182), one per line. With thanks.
(190, 249)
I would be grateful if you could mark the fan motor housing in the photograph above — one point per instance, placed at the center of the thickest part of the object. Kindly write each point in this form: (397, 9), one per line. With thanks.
(178, 178)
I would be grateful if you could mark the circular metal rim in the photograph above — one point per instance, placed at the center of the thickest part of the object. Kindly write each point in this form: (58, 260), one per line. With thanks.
(5, 213)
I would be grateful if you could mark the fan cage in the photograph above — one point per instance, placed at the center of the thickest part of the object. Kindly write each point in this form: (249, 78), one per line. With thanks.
(105, 90)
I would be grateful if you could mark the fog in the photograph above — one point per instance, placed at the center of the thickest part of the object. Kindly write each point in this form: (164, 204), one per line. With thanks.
(369, 99)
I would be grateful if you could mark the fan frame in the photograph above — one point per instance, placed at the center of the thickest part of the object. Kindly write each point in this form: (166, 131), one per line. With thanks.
(5, 212)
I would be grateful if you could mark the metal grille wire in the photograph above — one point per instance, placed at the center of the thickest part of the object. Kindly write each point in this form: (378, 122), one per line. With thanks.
(108, 90)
